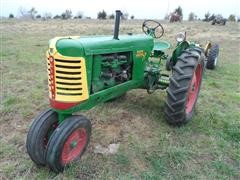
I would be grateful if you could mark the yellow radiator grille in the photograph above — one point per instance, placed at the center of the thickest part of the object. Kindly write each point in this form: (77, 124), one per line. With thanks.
(70, 80)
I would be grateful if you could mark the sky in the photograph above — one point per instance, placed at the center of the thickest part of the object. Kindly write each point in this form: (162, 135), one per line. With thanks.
(141, 9)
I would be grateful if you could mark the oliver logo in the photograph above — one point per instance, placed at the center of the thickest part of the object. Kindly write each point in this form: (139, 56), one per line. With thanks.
(141, 53)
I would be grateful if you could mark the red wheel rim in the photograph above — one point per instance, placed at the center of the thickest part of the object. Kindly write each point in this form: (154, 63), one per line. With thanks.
(74, 145)
(194, 89)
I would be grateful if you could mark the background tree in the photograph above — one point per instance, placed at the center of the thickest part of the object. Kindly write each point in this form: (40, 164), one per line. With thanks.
(32, 13)
(192, 16)
(57, 17)
(67, 14)
(125, 16)
(102, 15)
(27, 14)
(11, 16)
(132, 17)
(47, 16)
(38, 16)
(79, 15)
(207, 15)
(212, 17)
(232, 18)
(111, 16)
(179, 11)
(22, 12)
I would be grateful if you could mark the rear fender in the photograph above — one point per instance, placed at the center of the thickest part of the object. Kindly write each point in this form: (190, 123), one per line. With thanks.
(178, 50)
(207, 48)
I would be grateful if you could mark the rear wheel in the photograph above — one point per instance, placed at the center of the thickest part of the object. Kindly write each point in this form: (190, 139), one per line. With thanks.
(212, 57)
(184, 86)
(39, 134)
(68, 142)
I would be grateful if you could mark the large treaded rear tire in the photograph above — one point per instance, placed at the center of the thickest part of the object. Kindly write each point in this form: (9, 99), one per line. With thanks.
(177, 109)
(212, 57)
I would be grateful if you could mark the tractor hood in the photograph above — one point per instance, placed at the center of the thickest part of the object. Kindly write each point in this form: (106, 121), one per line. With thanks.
(78, 47)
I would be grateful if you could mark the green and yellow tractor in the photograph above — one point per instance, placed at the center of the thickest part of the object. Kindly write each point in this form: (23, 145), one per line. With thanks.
(86, 71)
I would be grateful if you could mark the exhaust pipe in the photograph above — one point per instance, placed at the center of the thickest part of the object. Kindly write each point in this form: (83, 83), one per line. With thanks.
(117, 22)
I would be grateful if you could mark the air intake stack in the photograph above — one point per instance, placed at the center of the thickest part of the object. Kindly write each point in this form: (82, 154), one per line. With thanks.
(117, 22)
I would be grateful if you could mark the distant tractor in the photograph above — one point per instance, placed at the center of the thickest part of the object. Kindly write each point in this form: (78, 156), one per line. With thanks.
(219, 20)
(86, 71)
(174, 17)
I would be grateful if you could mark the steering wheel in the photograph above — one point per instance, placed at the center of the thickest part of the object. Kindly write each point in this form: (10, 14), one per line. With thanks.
(153, 28)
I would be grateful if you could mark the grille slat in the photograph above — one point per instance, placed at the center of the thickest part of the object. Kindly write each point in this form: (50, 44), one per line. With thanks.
(69, 94)
(69, 78)
(70, 73)
(69, 91)
(67, 86)
(65, 83)
(61, 88)
(68, 69)
(67, 61)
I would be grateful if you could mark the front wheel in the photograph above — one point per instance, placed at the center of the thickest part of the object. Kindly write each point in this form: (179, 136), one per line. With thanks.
(184, 87)
(38, 135)
(68, 142)
(212, 57)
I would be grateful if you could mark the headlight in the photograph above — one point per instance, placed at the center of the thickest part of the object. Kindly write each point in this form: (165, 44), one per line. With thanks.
(180, 37)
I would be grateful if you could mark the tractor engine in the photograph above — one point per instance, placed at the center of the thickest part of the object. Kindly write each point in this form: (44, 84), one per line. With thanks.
(110, 70)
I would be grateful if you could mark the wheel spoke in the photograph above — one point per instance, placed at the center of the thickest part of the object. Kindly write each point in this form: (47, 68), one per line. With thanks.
(156, 27)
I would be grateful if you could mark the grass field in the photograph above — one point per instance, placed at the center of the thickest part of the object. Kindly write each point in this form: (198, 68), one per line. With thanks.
(206, 148)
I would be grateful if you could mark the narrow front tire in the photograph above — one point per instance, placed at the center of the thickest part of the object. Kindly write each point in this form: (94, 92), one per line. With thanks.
(39, 134)
(68, 142)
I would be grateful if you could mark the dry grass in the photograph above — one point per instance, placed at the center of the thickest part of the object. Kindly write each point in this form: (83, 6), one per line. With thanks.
(206, 148)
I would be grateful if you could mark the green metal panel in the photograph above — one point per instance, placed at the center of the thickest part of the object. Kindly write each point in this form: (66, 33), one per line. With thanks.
(89, 66)
(70, 47)
(178, 50)
(103, 44)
